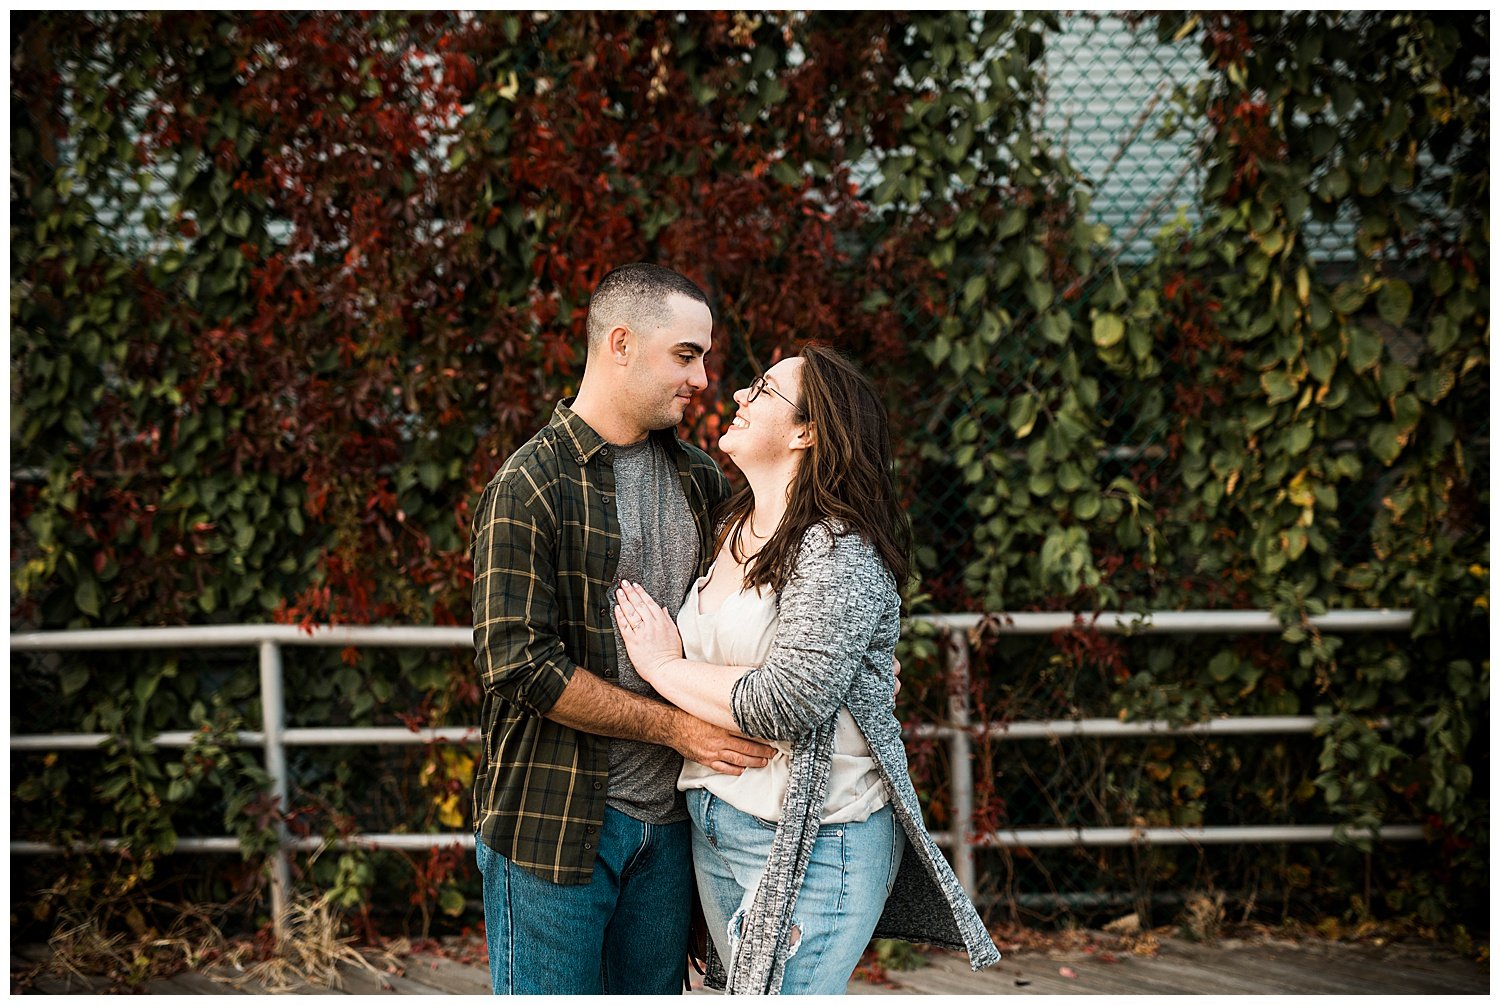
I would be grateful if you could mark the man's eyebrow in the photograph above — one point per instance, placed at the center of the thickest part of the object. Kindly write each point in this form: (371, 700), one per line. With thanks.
(690, 347)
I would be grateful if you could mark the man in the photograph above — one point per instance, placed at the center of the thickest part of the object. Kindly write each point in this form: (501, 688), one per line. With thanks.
(582, 841)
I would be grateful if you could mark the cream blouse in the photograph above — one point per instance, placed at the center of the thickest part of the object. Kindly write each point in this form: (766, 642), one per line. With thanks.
(739, 633)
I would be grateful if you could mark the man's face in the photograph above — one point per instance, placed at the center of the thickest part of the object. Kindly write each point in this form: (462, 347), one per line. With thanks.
(667, 367)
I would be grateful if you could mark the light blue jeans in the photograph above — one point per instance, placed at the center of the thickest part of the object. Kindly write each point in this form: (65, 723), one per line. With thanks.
(850, 876)
(625, 932)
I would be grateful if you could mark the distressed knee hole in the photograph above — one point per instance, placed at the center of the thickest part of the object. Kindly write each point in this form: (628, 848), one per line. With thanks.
(796, 941)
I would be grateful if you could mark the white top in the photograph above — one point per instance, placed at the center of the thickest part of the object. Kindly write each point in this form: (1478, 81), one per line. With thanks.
(739, 633)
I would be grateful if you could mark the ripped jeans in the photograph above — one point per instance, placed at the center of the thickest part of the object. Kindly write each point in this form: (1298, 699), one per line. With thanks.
(850, 876)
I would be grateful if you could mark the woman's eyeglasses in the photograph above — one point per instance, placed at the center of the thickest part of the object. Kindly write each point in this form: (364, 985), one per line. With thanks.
(759, 384)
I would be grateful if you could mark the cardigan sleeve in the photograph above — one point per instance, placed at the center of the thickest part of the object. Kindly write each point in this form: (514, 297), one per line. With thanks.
(829, 611)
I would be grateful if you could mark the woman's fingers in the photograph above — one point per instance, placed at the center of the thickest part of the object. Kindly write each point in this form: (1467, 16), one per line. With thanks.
(634, 608)
(638, 603)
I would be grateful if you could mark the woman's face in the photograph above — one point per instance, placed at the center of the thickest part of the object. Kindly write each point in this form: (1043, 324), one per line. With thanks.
(766, 430)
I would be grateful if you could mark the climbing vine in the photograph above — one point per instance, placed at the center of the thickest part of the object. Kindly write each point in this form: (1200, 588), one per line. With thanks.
(287, 288)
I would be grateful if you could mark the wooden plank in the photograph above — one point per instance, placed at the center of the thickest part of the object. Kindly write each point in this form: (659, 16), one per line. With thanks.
(1358, 967)
(69, 984)
(206, 985)
(1232, 966)
(181, 984)
(946, 974)
(450, 976)
(1295, 973)
(1386, 973)
(360, 981)
(862, 987)
(1186, 976)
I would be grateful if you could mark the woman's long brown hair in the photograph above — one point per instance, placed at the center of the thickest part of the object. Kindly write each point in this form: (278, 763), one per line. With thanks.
(848, 475)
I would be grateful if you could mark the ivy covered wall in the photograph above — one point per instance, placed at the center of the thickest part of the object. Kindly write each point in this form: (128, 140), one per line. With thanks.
(287, 288)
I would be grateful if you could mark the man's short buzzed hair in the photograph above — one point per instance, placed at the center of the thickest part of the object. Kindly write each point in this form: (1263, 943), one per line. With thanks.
(637, 295)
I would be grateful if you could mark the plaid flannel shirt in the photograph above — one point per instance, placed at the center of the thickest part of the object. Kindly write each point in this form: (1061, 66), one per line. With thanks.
(545, 548)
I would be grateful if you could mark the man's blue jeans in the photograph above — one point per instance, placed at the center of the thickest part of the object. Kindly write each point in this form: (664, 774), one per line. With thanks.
(852, 871)
(625, 932)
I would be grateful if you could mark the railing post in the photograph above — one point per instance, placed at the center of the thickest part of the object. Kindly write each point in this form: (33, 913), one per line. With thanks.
(956, 652)
(273, 715)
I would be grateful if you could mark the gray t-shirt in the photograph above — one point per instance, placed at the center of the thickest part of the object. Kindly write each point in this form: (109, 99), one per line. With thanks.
(659, 550)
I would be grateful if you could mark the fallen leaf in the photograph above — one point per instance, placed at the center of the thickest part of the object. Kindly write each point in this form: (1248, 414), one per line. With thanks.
(1022, 984)
(1068, 972)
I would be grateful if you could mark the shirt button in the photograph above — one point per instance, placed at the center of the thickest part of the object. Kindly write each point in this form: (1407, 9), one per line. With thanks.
(604, 452)
(580, 459)
(598, 786)
(608, 497)
(587, 846)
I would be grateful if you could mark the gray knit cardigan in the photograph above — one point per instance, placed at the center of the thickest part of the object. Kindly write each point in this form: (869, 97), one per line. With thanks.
(840, 619)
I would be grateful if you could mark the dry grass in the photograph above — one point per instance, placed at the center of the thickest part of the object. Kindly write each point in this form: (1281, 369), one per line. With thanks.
(84, 952)
(1202, 917)
(312, 953)
(316, 953)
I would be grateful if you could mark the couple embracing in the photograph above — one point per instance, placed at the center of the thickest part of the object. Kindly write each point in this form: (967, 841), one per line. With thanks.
(689, 695)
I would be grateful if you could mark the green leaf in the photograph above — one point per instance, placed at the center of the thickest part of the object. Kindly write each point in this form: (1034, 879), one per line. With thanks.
(1364, 348)
(86, 595)
(1055, 327)
(1394, 301)
(1442, 334)
(1224, 666)
(1349, 297)
(73, 678)
(1109, 329)
(973, 290)
(1023, 412)
(784, 172)
(1385, 443)
(1033, 260)
(1011, 223)
(1278, 386)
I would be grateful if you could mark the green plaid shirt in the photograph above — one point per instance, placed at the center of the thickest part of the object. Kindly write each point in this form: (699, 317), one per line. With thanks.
(546, 544)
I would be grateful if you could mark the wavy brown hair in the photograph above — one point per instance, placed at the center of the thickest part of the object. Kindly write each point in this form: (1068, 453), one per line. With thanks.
(848, 474)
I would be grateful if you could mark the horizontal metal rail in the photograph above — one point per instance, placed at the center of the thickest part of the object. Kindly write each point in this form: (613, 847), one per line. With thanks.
(1170, 622)
(437, 636)
(1096, 837)
(392, 736)
(960, 733)
(1035, 838)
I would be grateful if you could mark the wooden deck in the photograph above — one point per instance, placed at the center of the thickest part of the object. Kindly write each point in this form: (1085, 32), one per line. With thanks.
(1229, 966)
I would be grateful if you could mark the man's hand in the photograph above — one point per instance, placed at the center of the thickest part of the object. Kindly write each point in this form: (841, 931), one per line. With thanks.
(717, 748)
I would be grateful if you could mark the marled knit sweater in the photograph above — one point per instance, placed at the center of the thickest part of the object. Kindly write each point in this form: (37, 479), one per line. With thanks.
(840, 619)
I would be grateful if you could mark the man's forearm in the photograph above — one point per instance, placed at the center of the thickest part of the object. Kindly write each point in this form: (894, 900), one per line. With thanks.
(591, 705)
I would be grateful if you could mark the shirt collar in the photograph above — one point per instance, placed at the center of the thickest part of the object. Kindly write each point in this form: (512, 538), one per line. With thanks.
(581, 439)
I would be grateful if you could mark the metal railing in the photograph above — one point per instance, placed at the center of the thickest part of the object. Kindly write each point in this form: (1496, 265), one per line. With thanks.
(959, 731)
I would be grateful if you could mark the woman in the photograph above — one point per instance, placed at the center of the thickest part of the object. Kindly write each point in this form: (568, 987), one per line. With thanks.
(790, 637)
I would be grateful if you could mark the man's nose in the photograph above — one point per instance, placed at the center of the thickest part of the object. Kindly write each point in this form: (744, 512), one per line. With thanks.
(699, 377)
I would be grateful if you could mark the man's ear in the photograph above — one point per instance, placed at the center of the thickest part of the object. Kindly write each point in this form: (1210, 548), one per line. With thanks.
(621, 342)
(804, 437)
